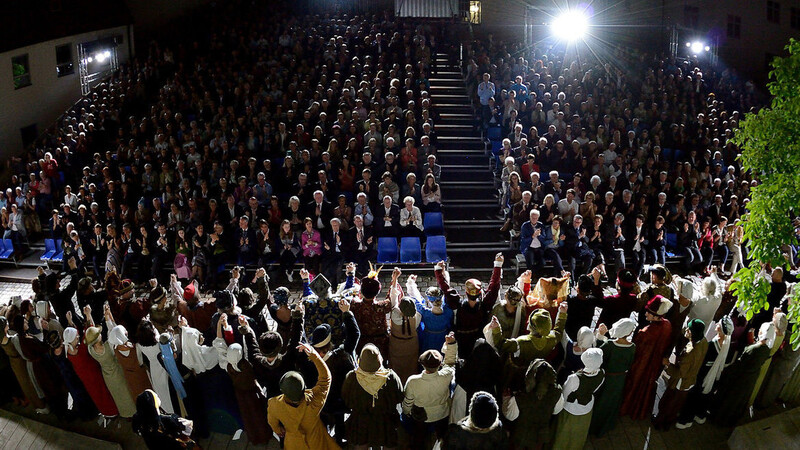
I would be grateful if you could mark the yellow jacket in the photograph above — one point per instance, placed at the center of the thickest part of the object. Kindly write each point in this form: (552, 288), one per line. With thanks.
(301, 424)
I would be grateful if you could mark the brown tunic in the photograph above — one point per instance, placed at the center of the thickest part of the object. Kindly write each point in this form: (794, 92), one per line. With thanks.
(252, 404)
(20, 368)
(135, 375)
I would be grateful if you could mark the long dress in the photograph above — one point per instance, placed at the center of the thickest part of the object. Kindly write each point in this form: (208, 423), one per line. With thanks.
(535, 422)
(115, 380)
(433, 327)
(252, 404)
(92, 377)
(404, 346)
(617, 360)
(135, 375)
(159, 378)
(20, 367)
(8, 379)
(737, 384)
(776, 344)
(639, 395)
(373, 420)
(82, 405)
(47, 377)
(780, 370)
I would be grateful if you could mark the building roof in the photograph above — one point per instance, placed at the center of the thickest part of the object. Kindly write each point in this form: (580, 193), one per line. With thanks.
(27, 22)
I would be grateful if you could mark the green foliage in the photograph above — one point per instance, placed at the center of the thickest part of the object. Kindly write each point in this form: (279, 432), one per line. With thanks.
(770, 144)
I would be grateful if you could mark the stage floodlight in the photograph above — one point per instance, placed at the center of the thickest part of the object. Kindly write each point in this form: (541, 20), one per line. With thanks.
(697, 47)
(571, 25)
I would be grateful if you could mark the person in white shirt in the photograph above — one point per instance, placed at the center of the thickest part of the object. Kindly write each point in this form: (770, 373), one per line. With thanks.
(426, 406)
(568, 207)
(579, 390)
(411, 219)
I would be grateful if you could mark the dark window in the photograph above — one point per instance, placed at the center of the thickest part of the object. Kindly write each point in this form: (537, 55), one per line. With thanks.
(773, 12)
(21, 71)
(29, 134)
(794, 18)
(734, 26)
(691, 16)
(64, 65)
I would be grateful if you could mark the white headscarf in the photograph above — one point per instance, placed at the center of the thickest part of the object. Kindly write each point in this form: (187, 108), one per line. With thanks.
(42, 309)
(592, 360)
(196, 357)
(118, 336)
(234, 355)
(585, 338)
(722, 354)
(767, 333)
(69, 336)
(622, 328)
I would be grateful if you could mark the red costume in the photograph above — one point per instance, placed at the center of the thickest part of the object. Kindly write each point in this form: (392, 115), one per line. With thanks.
(88, 371)
(652, 343)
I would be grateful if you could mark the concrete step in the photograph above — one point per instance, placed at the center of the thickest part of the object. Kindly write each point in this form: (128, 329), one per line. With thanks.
(455, 99)
(452, 82)
(459, 108)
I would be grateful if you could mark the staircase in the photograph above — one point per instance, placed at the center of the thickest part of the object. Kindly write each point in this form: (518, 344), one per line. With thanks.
(469, 198)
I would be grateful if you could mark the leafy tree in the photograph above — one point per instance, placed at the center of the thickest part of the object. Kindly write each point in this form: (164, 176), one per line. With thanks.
(770, 144)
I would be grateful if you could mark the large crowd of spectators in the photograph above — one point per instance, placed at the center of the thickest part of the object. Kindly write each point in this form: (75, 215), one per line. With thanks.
(280, 140)
(301, 141)
(616, 163)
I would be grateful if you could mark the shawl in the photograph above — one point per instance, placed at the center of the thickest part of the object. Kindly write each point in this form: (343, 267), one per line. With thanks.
(372, 382)
(171, 366)
(196, 357)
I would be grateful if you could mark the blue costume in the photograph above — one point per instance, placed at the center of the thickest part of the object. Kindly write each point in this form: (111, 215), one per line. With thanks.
(433, 327)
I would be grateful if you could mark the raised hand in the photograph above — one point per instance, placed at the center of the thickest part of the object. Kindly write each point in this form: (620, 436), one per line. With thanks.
(450, 339)
(344, 305)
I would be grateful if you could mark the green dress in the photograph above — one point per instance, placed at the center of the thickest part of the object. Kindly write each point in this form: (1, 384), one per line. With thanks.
(617, 359)
(115, 380)
(737, 384)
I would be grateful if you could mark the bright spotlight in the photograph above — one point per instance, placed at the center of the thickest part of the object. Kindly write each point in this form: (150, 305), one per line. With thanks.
(570, 26)
(107, 54)
(101, 56)
(697, 47)
(89, 59)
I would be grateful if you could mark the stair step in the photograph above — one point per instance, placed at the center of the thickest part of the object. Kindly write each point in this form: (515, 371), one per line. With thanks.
(448, 75)
(453, 108)
(453, 126)
(474, 223)
(453, 82)
(452, 99)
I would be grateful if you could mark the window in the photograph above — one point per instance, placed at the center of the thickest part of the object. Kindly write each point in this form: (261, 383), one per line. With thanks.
(734, 26)
(794, 18)
(21, 71)
(64, 64)
(691, 16)
(773, 12)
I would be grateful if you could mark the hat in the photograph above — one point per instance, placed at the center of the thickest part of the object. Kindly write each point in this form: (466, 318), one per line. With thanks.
(407, 307)
(125, 287)
(92, 335)
(370, 359)
(224, 299)
(320, 286)
(370, 287)
(270, 343)
(53, 339)
(585, 283)
(592, 359)
(698, 329)
(622, 328)
(472, 288)
(659, 270)
(541, 322)
(483, 410)
(189, 291)
(686, 288)
(281, 296)
(626, 279)
(293, 386)
(321, 336)
(430, 359)
(434, 294)
(781, 322)
(658, 305)
(158, 294)
(727, 325)
(513, 295)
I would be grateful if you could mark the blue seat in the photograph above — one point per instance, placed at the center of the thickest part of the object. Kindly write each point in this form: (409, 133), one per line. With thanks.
(387, 250)
(494, 134)
(680, 156)
(435, 249)
(497, 147)
(8, 249)
(410, 250)
(59, 252)
(433, 223)
(49, 250)
(668, 154)
(672, 241)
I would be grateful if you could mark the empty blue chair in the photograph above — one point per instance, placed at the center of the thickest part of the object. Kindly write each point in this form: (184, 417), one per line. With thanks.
(49, 250)
(672, 244)
(387, 250)
(494, 134)
(59, 256)
(410, 250)
(435, 249)
(433, 223)
(8, 249)
(668, 154)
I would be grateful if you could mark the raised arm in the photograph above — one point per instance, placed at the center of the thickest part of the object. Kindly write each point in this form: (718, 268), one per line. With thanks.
(451, 297)
(352, 334)
(320, 391)
(490, 298)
